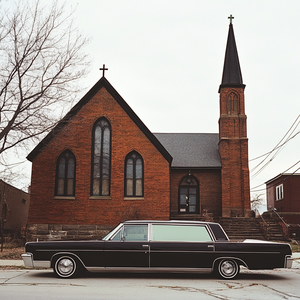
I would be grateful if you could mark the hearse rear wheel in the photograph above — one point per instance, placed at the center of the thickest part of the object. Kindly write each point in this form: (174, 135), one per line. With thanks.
(65, 266)
(228, 268)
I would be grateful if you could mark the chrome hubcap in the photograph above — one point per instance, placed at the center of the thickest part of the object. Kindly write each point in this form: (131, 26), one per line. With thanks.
(227, 268)
(65, 266)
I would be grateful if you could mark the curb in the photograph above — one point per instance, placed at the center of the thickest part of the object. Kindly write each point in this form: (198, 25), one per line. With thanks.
(11, 263)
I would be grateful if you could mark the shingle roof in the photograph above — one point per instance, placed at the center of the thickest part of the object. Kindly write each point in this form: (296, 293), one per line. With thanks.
(192, 150)
(188, 150)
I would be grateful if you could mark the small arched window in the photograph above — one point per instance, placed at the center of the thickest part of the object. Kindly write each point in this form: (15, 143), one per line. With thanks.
(233, 104)
(134, 175)
(101, 157)
(65, 174)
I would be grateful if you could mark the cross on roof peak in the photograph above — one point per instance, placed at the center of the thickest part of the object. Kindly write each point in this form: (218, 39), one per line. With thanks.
(230, 17)
(103, 69)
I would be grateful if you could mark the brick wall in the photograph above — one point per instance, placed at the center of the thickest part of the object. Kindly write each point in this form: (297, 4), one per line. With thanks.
(233, 148)
(76, 136)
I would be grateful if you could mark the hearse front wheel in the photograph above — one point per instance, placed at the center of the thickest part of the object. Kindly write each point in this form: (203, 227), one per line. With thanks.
(65, 266)
(228, 269)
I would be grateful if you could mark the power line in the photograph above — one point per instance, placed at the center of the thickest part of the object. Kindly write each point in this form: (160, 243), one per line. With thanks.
(288, 136)
(279, 181)
(279, 145)
(274, 148)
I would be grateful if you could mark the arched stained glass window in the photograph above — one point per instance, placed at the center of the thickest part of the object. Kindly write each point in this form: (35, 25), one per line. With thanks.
(233, 104)
(101, 156)
(65, 174)
(134, 175)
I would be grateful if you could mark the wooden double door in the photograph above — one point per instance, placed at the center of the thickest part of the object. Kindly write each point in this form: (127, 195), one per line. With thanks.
(188, 202)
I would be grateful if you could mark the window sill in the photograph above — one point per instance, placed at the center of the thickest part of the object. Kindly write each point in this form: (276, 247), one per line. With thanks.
(100, 198)
(133, 198)
(64, 198)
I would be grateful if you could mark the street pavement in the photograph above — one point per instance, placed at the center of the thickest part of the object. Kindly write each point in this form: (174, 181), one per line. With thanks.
(28, 284)
(17, 282)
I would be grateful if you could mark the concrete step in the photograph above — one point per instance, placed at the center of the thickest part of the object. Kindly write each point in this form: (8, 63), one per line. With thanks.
(242, 228)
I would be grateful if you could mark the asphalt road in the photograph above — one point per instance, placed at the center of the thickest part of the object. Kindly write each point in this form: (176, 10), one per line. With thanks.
(23, 284)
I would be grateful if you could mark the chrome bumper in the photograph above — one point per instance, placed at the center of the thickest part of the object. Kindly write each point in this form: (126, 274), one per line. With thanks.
(30, 263)
(288, 261)
(28, 260)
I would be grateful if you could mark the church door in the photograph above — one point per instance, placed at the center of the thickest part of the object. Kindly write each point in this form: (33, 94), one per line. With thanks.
(188, 195)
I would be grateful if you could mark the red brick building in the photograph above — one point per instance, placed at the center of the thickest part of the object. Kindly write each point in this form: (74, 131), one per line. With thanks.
(14, 206)
(283, 194)
(101, 165)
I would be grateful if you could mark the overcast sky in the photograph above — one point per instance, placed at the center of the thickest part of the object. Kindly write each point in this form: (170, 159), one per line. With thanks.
(165, 58)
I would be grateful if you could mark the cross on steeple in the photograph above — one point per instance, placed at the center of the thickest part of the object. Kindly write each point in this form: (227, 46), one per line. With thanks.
(103, 69)
(230, 17)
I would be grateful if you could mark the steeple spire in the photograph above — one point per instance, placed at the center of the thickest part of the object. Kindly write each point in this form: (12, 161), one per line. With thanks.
(232, 75)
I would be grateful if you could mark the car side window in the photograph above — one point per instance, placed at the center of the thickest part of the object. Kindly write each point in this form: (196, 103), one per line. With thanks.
(135, 233)
(180, 233)
(132, 233)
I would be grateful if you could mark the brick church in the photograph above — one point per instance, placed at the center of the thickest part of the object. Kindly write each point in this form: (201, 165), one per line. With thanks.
(101, 165)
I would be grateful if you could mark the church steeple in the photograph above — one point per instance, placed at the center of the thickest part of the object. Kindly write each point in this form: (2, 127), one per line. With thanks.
(233, 143)
(232, 75)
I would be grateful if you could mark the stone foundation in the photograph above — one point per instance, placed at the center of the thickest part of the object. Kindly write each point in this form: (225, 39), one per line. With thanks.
(237, 213)
(56, 232)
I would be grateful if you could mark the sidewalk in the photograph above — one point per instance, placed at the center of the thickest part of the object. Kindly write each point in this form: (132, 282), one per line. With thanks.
(19, 263)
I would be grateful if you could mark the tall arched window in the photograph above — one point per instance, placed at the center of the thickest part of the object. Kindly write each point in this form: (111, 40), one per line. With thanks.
(134, 175)
(101, 157)
(188, 198)
(233, 104)
(65, 174)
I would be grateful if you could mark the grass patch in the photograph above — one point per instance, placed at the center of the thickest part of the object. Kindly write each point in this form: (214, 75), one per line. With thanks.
(11, 251)
(295, 247)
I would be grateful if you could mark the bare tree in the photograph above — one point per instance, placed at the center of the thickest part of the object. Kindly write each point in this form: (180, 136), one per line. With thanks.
(256, 201)
(41, 60)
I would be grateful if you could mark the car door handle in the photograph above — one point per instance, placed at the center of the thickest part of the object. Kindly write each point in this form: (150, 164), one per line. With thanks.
(145, 246)
(210, 246)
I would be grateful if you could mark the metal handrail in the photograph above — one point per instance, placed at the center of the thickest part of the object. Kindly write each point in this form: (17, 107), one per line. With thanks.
(286, 225)
(264, 220)
(264, 225)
